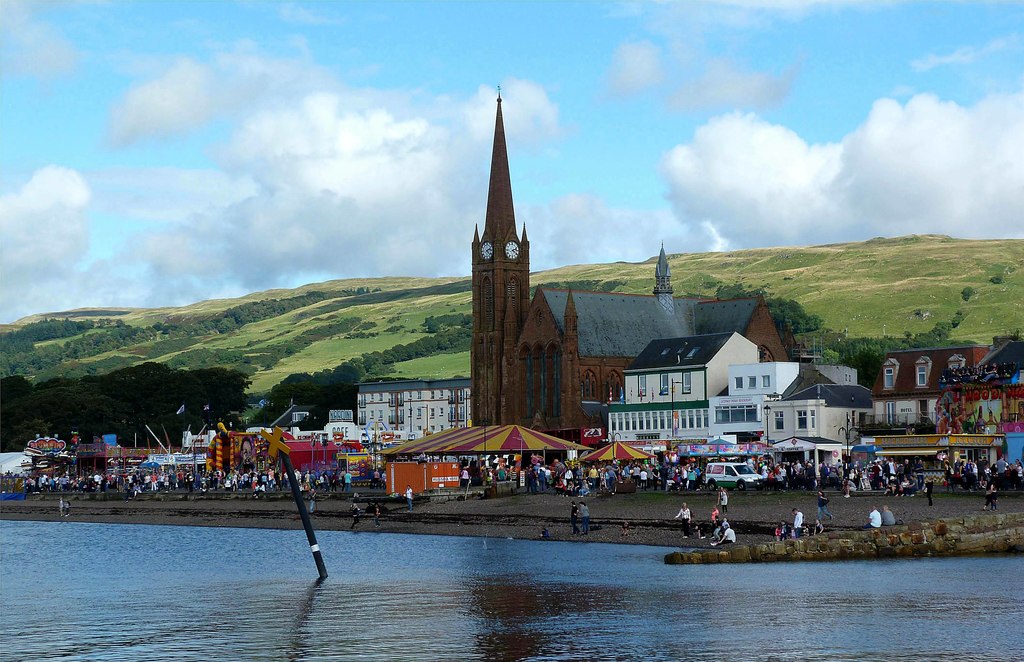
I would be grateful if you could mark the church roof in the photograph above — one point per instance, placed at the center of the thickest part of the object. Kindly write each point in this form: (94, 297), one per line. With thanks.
(688, 351)
(611, 324)
(721, 316)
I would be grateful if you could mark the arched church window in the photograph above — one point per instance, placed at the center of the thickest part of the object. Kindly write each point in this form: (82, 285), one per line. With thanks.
(488, 293)
(512, 293)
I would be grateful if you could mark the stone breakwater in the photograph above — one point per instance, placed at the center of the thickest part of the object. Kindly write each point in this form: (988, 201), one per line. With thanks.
(976, 534)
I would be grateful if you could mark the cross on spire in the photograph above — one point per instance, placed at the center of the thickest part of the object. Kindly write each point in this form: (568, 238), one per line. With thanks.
(499, 93)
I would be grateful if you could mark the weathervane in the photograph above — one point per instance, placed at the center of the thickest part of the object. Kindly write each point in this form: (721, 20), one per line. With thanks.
(499, 93)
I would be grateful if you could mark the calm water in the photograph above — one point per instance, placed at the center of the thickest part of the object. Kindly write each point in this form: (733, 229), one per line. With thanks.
(98, 591)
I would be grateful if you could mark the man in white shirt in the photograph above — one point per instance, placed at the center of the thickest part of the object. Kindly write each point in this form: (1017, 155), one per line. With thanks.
(874, 520)
(798, 522)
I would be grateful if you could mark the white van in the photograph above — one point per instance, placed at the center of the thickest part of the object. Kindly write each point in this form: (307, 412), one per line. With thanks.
(734, 475)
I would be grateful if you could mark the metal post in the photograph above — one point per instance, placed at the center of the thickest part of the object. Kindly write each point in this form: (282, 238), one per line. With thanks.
(277, 448)
(307, 524)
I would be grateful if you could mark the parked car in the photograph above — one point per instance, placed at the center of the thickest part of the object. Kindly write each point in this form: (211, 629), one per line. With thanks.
(734, 475)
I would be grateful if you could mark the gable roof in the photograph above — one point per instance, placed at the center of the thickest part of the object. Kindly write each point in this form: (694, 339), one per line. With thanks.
(836, 395)
(721, 316)
(611, 324)
(680, 352)
(285, 419)
(906, 374)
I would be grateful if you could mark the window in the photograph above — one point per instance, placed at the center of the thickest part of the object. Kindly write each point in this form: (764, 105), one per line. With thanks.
(664, 383)
(801, 419)
(890, 412)
(737, 414)
(686, 382)
(813, 415)
(739, 382)
(751, 382)
(922, 375)
(766, 381)
(642, 381)
(780, 420)
(693, 352)
(890, 377)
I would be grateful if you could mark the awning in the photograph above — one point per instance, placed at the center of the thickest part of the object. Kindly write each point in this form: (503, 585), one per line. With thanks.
(484, 440)
(923, 452)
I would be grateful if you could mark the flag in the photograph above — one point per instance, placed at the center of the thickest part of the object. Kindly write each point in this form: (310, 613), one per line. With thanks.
(181, 409)
(622, 396)
(261, 404)
(206, 407)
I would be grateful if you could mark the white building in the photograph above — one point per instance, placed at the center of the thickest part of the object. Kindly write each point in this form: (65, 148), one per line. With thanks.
(821, 416)
(668, 387)
(414, 407)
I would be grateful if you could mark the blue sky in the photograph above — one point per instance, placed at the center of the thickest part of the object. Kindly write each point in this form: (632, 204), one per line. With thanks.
(159, 153)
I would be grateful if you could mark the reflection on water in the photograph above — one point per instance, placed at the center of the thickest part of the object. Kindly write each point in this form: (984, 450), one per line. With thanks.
(138, 592)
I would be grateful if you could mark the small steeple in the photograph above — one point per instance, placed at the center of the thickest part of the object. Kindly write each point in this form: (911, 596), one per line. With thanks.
(500, 222)
(570, 314)
(663, 282)
(476, 234)
(662, 274)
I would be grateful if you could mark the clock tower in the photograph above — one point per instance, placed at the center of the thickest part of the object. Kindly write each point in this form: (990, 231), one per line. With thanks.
(501, 290)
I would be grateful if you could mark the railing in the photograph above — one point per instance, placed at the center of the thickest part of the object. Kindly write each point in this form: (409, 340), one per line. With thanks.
(889, 420)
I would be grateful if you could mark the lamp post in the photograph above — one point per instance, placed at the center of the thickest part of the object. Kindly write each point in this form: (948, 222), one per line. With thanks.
(846, 430)
(767, 409)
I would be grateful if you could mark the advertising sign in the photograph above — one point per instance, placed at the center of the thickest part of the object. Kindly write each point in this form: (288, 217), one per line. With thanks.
(45, 446)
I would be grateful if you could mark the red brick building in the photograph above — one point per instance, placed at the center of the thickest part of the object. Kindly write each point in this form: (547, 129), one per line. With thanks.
(553, 363)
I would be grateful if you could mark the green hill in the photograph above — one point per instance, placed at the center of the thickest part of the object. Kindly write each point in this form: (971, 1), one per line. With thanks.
(416, 327)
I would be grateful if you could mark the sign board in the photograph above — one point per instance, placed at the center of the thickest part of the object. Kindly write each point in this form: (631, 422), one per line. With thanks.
(45, 446)
(593, 434)
(336, 415)
(737, 400)
(938, 440)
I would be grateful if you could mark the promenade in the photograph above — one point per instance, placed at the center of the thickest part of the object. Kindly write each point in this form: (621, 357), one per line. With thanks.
(753, 515)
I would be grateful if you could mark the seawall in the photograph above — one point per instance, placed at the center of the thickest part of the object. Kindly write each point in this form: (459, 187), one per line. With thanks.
(975, 534)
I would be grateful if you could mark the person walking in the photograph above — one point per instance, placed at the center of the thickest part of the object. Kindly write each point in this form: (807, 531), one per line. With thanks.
(823, 506)
(991, 497)
(408, 496)
(355, 516)
(376, 514)
(574, 513)
(928, 485)
(585, 516)
(798, 523)
(312, 499)
(723, 500)
(684, 516)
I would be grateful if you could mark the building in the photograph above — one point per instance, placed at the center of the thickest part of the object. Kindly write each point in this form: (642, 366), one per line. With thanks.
(554, 362)
(411, 408)
(668, 387)
(739, 413)
(823, 416)
(907, 389)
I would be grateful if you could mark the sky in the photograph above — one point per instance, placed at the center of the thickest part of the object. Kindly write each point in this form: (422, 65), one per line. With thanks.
(162, 153)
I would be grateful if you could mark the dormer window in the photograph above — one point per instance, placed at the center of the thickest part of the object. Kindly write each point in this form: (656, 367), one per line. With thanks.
(923, 365)
(889, 373)
(957, 361)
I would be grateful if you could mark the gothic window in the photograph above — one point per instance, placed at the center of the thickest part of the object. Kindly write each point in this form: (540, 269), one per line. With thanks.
(488, 304)
(529, 385)
(512, 293)
(543, 379)
(557, 370)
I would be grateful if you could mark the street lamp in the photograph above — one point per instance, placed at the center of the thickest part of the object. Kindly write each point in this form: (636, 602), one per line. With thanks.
(767, 409)
(847, 430)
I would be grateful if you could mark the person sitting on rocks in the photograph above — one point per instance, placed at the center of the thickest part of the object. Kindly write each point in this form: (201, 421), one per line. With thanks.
(819, 528)
(888, 519)
(724, 536)
(874, 519)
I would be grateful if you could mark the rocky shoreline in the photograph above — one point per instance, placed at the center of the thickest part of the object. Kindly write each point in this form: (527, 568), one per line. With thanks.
(754, 516)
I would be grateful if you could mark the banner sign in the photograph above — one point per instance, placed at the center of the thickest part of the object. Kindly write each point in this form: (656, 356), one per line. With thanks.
(45, 446)
(593, 434)
(978, 408)
(709, 450)
(91, 450)
(178, 458)
(939, 441)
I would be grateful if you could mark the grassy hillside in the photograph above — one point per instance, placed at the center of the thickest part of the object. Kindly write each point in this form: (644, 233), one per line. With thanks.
(894, 286)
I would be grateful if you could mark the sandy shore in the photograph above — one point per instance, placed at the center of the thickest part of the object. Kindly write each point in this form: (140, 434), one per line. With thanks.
(650, 514)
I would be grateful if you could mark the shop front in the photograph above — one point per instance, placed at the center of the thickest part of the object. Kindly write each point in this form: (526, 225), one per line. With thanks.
(808, 449)
(936, 449)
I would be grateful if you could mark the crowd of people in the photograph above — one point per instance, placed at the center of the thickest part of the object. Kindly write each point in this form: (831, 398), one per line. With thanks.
(978, 374)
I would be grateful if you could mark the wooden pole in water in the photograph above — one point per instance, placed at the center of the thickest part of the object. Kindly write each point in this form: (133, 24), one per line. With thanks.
(278, 447)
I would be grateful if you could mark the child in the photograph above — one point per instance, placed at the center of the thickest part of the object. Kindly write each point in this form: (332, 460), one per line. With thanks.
(625, 528)
(544, 534)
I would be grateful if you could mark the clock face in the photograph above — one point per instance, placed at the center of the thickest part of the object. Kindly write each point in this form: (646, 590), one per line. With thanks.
(511, 250)
(487, 250)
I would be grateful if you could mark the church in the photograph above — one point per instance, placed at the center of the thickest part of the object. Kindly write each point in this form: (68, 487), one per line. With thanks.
(554, 362)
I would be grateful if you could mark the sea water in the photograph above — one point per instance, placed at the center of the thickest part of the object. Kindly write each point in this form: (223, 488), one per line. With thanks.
(79, 591)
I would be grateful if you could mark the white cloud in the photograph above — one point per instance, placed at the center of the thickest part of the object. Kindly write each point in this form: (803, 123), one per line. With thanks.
(924, 166)
(31, 47)
(45, 231)
(635, 67)
(557, 229)
(529, 115)
(299, 15)
(725, 86)
(966, 54)
(180, 100)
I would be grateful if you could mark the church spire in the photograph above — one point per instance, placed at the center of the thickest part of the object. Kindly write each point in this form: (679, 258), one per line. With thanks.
(500, 222)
